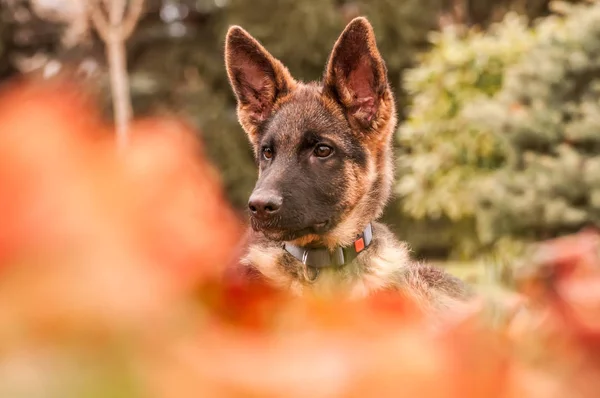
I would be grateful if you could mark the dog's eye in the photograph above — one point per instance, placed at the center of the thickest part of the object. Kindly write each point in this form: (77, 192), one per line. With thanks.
(267, 153)
(323, 151)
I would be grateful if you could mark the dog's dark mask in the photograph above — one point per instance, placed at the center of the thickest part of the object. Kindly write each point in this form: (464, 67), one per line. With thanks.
(310, 140)
(307, 159)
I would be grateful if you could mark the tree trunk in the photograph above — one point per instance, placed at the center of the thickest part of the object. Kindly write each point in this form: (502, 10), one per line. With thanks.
(119, 81)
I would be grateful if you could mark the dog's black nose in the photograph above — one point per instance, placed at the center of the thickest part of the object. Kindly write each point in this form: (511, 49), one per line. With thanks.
(264, 204)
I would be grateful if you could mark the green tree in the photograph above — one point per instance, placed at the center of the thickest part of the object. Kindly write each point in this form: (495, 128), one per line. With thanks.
(548, 115)
(443, 154)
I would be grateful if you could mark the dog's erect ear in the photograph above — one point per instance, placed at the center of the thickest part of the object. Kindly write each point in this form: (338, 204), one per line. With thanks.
(257, 78)
(356, 74)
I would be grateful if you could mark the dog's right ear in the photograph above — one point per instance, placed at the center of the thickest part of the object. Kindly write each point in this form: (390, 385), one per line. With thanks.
(257, 78)
(356, 75)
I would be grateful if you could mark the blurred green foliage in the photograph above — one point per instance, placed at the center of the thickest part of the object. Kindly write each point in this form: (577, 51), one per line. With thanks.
(444, 154)
(548, 114)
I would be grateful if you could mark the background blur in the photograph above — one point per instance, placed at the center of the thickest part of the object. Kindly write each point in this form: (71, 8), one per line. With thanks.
(499, 130)
(111, 261)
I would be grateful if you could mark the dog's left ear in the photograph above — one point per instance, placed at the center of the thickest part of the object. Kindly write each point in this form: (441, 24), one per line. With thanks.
(258, 79)
(356, 74)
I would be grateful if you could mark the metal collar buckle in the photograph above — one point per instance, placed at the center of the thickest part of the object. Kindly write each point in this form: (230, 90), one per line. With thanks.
(315, 273)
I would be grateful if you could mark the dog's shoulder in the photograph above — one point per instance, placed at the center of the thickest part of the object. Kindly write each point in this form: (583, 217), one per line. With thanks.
(435, 283)
(391, 259)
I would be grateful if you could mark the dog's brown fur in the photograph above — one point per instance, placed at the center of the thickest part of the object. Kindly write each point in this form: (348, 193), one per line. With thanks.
(353, 109)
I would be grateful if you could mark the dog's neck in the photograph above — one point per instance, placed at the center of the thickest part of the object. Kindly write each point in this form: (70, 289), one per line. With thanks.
(318, 258)
(383, 261)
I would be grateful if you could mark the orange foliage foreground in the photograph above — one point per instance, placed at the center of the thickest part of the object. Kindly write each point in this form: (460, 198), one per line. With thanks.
(110, 286)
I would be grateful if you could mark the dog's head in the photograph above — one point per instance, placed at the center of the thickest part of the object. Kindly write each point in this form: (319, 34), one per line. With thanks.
(323, 149)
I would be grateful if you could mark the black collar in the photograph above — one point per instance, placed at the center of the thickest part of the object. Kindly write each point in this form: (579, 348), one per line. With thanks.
(340, 256)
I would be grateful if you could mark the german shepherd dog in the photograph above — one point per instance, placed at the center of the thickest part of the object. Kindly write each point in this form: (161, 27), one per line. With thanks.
(324, 155)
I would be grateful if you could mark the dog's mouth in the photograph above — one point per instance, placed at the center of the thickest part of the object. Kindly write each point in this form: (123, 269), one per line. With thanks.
(321, 225)
(279, 233)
